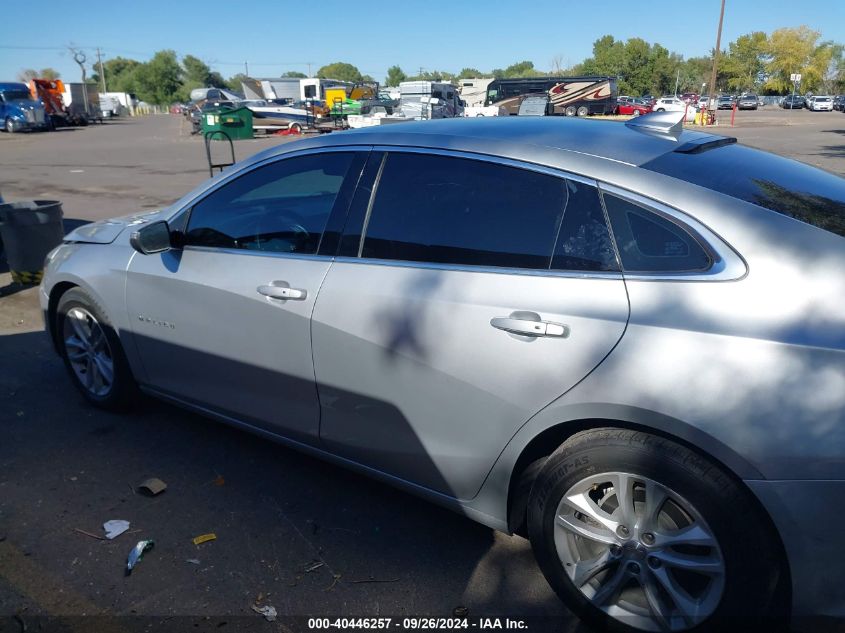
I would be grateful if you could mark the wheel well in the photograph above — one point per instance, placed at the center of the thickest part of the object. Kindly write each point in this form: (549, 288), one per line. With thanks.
(538, 450)
(55, 294)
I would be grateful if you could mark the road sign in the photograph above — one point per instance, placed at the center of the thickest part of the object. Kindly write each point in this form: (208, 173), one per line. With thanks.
(795, 77)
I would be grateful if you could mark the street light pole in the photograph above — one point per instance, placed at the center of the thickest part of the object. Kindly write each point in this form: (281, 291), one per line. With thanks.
(712, 101)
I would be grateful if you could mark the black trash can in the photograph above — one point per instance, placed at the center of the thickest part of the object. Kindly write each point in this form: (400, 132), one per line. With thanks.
(30, 230)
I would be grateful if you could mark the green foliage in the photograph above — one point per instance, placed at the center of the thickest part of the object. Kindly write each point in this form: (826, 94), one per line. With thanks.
(159, 81)
(120, 74)
(519, 69)
(471, 73)
(340, 71)
(295, 74)
(745, 63)
(395, 76)
(234, 83)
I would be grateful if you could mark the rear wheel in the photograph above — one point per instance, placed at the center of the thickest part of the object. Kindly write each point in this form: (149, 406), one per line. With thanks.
(296, 128)
(92, 352)
(583, 111)
(637, 533)
(637, 113)
(660, 110)
(570, 111)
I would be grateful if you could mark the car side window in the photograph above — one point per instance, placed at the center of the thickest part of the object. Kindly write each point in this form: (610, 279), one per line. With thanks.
(584, 242)
(282, 207)
(649, 242)
(432, 208)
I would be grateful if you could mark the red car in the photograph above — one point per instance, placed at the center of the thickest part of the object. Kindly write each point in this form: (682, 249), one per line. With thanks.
(633, 107)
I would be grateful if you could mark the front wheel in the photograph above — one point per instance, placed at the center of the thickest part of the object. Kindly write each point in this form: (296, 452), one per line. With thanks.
(637, 533)
(92, 352)
(9, 125)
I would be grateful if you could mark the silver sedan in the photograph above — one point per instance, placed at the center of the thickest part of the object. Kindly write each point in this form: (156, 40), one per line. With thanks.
(623, 341)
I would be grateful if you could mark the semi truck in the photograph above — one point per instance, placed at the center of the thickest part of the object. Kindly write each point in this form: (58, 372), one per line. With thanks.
(19, 110)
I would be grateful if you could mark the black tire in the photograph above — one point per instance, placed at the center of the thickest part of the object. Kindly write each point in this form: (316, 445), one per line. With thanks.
(8, 126)
(748, 549)
(123, 391)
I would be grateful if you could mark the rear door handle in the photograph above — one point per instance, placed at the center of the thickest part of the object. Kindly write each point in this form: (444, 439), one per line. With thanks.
(277, 291)
(527, 327)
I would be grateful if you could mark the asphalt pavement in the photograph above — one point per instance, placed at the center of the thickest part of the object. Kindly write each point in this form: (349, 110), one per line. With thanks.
(292, 532)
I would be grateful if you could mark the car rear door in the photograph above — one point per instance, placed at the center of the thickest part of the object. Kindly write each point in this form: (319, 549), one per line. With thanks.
(479, 293)
(225, 321)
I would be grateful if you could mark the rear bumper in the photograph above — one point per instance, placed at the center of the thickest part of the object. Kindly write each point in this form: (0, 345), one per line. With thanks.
(809, 516)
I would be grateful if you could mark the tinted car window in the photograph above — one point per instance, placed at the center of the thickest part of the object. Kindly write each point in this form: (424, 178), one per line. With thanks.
(458, 211)
(648, 242)
(584, 242)
(779, 184)
(282, 207)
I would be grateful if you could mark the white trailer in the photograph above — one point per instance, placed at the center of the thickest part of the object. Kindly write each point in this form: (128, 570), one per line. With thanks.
(474, 90)
(429, 100)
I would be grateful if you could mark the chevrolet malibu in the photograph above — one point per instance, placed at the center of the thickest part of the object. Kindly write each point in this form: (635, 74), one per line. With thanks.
(623, 341)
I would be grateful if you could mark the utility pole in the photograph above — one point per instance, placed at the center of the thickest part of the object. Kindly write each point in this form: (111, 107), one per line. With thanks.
(309, 70)
(677, 80)
(711, 102)
(246, 69)
(102, 70)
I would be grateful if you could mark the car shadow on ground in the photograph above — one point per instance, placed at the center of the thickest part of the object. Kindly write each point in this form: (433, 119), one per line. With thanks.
(371, 549)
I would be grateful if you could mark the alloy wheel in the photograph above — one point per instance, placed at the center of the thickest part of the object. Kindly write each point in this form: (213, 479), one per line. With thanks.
(639, 552)
(88, 351)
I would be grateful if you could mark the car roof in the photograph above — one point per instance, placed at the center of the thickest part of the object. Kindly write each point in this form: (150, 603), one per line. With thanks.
(521, 137)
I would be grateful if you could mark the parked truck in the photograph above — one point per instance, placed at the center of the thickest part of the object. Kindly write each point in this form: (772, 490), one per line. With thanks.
(19, 111)
(51, 94)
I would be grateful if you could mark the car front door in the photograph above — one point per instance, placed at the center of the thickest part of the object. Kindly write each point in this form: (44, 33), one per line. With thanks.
(224, 322)
(479, 293)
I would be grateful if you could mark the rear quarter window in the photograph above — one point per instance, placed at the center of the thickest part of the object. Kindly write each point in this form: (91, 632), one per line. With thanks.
(779, 184)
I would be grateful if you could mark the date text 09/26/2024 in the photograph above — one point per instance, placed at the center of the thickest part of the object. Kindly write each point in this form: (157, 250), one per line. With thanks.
(410, 623)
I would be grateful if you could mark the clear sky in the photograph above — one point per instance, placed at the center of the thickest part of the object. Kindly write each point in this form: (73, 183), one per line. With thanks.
(274, 37)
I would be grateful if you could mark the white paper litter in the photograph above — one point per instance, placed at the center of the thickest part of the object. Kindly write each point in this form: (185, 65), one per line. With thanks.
(268, 612)
(115, 528)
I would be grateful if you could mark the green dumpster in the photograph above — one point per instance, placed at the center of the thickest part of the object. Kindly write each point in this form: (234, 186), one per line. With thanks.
(236, 123)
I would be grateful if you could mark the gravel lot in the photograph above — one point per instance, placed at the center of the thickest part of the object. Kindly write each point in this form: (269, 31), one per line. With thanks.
(65, 466)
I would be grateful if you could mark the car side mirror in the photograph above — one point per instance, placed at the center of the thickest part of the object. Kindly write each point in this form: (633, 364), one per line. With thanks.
(152, 238)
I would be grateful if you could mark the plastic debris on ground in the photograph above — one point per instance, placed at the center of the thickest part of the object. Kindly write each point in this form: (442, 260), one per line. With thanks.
(204, 538)
(137, 554)
(268, 612)
(153, 486)
(314, 566)
(115, 527)
(193, 561)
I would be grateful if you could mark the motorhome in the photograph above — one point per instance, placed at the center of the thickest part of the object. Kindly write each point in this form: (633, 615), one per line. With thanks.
(293, 89)
(570, 96)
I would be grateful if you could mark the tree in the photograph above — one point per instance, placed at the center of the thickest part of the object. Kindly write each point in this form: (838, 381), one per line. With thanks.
(295, 74)
(120, 75)
(790, 51)
(745, 62)
(521, 69)
(340, 71)
(395, 76)
(470, 73)
(45, 73)
(159, 81)
(608, 58)
(234, 83)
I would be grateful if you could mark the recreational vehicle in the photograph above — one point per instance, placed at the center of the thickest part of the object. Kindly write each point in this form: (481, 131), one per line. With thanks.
(570, 96)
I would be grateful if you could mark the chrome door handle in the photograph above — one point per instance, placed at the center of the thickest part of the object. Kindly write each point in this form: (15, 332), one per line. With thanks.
(282, 292)
(527, 327)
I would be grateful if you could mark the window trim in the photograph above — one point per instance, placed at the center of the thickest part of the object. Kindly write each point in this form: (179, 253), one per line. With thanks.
(726, 263)
(183, 215)
(496, 160)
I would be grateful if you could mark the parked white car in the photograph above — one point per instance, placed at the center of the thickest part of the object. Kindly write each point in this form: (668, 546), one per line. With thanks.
(820, 103)
(674, 104)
